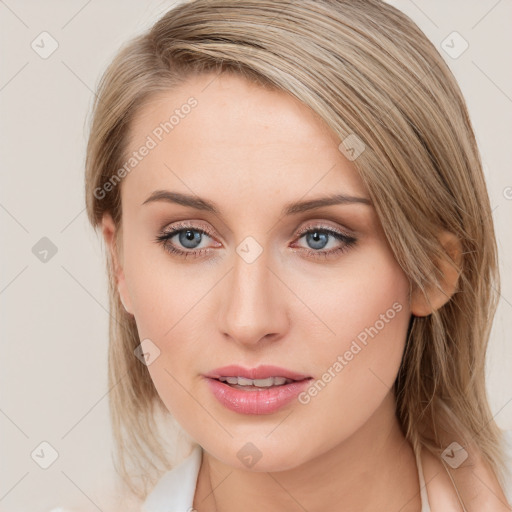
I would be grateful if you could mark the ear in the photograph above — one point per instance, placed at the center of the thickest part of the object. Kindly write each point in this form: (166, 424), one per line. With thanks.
(450, 272)
(112, 238)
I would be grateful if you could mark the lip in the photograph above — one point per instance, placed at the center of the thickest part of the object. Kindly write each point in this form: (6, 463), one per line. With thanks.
(256, 401)
(260, 372)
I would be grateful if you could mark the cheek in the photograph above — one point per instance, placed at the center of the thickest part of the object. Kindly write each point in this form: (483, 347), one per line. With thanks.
(356, 375)
(156, 286)
(367, 300)
(169, 308)
(368, 310)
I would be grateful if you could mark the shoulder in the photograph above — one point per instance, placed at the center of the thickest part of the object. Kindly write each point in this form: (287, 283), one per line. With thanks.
(472, 482)
(176, 489)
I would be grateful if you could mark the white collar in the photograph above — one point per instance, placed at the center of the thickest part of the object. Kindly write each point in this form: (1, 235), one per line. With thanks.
(176, 489)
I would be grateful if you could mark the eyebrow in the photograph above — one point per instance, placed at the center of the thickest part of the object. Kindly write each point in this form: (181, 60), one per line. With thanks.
(289, 209)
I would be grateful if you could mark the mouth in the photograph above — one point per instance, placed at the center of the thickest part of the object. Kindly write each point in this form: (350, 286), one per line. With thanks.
(246, 384)
(258, 376)
(261, 390)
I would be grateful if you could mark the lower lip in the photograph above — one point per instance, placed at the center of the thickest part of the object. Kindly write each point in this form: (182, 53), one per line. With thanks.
(259, 401)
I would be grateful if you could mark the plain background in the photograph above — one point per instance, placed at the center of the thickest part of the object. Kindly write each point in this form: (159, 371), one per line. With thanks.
(54, 319)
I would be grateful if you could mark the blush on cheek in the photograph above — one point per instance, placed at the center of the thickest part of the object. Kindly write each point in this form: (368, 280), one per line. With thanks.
(372, 347)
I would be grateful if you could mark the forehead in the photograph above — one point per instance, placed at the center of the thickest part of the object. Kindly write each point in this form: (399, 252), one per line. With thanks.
(227, 138)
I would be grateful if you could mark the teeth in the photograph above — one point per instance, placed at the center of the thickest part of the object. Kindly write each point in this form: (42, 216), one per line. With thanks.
(260, 383)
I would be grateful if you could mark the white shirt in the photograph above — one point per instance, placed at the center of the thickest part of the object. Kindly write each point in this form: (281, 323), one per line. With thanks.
(175, 490)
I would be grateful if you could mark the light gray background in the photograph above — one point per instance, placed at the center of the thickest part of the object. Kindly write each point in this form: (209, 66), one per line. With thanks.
(54, 315)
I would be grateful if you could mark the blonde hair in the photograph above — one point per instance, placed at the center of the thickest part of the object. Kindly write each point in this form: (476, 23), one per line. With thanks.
(366, 69)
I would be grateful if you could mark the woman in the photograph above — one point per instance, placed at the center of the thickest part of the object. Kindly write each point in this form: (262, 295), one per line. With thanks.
(302, 262)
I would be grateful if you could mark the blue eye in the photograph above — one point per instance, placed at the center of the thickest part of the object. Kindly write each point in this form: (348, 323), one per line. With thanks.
(318, 237)
(188, 236)
(191, 237)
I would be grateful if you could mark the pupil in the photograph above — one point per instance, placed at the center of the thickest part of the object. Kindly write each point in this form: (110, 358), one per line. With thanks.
(318, 239)
(188, 237)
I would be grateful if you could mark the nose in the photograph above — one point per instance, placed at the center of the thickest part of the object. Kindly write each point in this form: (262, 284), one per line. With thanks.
(253, 303)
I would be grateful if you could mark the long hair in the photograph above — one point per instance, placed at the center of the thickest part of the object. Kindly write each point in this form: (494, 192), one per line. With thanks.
(369, 72)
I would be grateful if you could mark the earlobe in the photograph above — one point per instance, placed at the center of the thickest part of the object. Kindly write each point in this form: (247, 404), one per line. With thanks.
(450, 268)
(109, 235)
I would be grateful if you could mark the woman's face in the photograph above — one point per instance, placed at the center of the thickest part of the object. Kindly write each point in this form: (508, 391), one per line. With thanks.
(313, 291)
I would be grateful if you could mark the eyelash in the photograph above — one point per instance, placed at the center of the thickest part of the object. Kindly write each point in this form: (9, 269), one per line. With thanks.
(166, 235)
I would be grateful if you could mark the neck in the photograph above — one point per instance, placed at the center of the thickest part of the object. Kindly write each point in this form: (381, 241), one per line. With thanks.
(374, 469)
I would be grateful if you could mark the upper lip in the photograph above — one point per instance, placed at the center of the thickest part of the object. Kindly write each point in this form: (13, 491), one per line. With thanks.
(260, 372)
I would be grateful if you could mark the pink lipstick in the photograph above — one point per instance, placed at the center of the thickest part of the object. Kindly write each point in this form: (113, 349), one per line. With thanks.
(261, 390)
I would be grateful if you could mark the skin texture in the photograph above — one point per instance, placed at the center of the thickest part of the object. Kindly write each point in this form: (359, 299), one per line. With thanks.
(251, 151)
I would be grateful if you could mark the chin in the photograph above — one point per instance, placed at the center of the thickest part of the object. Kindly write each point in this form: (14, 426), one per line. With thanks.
(261, 454)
